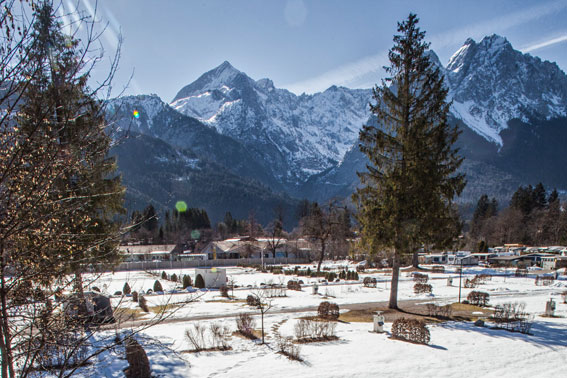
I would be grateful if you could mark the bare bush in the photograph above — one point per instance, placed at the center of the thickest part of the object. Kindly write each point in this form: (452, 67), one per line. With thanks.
(478, 298)
(420, 288)
(252, 300)
(196, 337)
(512, 317)
(134, 296)
(293, 285)
(307, 330)
(521, 272)
(369, 282)
(245, 325)
(421, 278)
(286, 347)
(219, 336)
(544, 280)
(328, 310)
(223, 291)
(471, 283)
(439, 311)
(438, 269)
(412, 330)
(273, 290)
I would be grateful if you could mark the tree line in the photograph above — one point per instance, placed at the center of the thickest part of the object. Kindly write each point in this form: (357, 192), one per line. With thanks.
(533, 217)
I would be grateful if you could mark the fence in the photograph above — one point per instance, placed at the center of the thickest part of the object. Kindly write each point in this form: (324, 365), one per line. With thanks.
(161, 265)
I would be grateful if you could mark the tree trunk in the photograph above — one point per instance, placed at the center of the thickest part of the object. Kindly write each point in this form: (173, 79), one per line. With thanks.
(262, 313)
(415, 260)
(321, 256)
(395, 277)
(6, 351)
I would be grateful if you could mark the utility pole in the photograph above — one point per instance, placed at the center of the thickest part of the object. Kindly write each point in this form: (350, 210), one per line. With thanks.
(460, 276)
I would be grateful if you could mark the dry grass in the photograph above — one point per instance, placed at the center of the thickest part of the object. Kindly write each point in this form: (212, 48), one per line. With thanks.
(161, 309)
(226, 301)
(461, 312)
(257, 334)
(127, 314)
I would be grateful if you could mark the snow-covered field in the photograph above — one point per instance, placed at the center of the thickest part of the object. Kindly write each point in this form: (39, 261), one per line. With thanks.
(457, 349)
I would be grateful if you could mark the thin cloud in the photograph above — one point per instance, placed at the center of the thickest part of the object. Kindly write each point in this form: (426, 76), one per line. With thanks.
(549, 42)
(370, 68)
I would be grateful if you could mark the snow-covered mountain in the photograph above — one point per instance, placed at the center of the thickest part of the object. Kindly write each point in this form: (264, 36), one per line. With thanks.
(298, 135)
(491, 83)
(506, 103)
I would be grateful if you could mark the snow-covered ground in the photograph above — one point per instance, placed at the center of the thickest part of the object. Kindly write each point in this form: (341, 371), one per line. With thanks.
(456, 349)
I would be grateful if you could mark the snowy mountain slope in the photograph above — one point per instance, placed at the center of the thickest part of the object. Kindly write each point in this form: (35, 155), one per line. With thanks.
(298, 135)
(157, 119)
(491, 84)
(506, 103)
(154, 171)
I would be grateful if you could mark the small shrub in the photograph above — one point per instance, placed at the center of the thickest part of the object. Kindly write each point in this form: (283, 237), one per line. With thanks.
(143, 303)
(512, 317)
(163, 275)
(118, 293)
(439, 311)
(328, 310)
(521, 272)
(96, 289)
(126, 289)
(224, 291)
(544, 280)
(478, 298)
(134, 296)
(157, 286)
(360, 268)
(196, 337)
(310, 330)
(421, 278)
(438, 269)
(294, 285)
(252, 300)
(199, 282)
(420, 288)
(369, 282)
(330, 276)
(286, 347)
(138, 363)
(173, 277)
(471, 283)
(412, 330)
(245, 325)
(186, 281)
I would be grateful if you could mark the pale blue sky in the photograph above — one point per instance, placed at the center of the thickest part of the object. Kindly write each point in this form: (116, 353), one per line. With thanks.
(307, 45)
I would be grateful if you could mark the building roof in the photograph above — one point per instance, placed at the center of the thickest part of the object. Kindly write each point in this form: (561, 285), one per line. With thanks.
(146, 249)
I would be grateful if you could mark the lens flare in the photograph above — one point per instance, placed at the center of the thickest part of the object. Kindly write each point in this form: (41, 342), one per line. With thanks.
(136, 114)
(213, 270)
(181, 206)
(195, 234)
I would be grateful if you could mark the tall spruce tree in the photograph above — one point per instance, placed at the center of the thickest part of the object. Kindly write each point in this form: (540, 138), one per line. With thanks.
(58, 197)
(78, 121)
(406, 196)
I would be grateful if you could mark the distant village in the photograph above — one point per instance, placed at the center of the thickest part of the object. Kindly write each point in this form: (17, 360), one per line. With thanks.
(235, 250)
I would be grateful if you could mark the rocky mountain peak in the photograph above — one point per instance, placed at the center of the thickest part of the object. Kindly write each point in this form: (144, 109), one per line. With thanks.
(221, 78)
(491, 84)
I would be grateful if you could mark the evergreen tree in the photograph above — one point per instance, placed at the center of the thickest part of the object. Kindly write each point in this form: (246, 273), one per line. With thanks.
(56, 173)
(408, 189)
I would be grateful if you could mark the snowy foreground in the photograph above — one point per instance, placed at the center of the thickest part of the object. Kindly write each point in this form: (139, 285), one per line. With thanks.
(457, 349)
